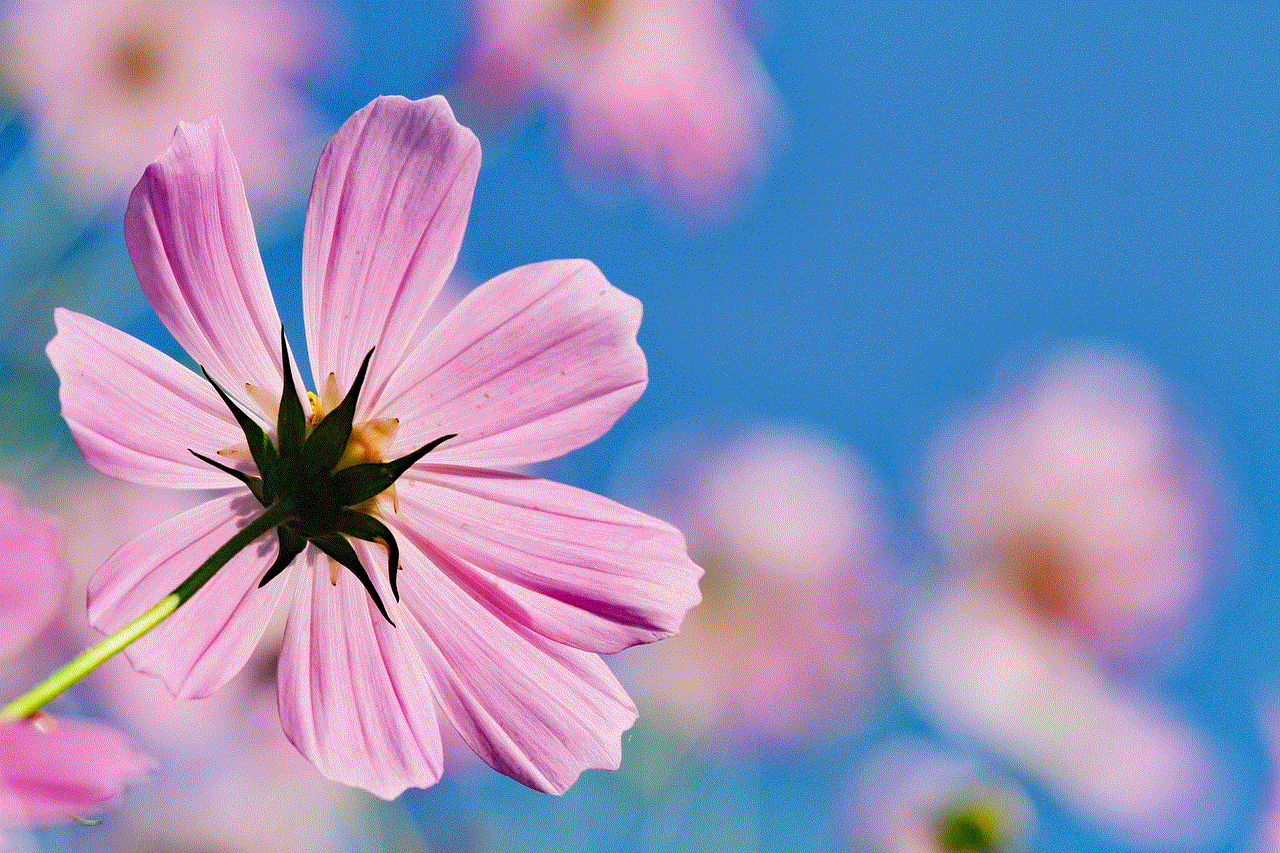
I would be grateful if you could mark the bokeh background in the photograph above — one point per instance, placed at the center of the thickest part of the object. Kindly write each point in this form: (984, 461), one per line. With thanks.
(963, 367)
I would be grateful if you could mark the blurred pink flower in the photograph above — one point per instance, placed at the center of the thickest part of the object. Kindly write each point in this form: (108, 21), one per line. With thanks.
(49, 769)
(512, 585)
(106, 81)
(1079, 496)
(33, 576)
(665, 91)
(1074, 520)
(910, 798)
(783, 644)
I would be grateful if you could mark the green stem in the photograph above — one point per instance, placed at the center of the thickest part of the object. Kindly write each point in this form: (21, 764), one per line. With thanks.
(94, 656)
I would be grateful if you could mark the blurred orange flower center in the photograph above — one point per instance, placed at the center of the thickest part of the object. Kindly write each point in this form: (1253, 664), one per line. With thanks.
(590, 14)
(1041, 573)
(137, 62)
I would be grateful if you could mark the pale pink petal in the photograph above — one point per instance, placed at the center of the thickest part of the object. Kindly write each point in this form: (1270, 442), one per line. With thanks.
(193, 246)
(388, 210)
(197, 649)
(575, 567)
(136, 413)
(1267, 833)
(531, 364)
(533, 709)
(33, 575)
(353, 695)
(53, 770)
(992, 673)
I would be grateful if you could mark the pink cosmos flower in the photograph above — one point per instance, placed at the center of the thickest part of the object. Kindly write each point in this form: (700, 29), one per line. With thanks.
(511, 585)
(910, 798)
(784, 643)
(48, 769)
(1075, 525)
(667, 91)
(106, 81)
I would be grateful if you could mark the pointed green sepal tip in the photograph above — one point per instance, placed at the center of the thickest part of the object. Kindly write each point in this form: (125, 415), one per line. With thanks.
(254, 483)
(260, 446)
(328, 441)
(364, 526)
(291, 421)
(358, 483)
(291, 545)
(340, 550)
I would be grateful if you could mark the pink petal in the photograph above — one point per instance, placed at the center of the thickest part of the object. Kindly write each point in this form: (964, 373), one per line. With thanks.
(575, 567)
(533, 709)
(531, 364)
(197, 649)
(388, 210)
(50, 773)
(33, 575)
(353, 696)
(193, 246)
(136, 413)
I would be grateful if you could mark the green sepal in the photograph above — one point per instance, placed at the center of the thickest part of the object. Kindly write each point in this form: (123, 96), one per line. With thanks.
(254, 483)
(291, 545)
(366, 527)
(328, 441)
(260, 446)
(358, 483)
(291, 421)
(339, 549)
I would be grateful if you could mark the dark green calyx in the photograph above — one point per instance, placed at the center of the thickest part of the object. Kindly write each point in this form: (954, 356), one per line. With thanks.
(325, 505)
(974, 825)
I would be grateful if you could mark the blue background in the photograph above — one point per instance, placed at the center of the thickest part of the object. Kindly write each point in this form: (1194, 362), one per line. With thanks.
(959, 192)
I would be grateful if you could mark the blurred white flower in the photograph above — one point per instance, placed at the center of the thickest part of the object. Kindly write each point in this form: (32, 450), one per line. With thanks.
(910, 798)
(1076, 527)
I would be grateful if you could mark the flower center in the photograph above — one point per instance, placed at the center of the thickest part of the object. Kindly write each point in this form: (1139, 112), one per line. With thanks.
(1041, 572)
(591, 14)
(137, 62)
(324, 472)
